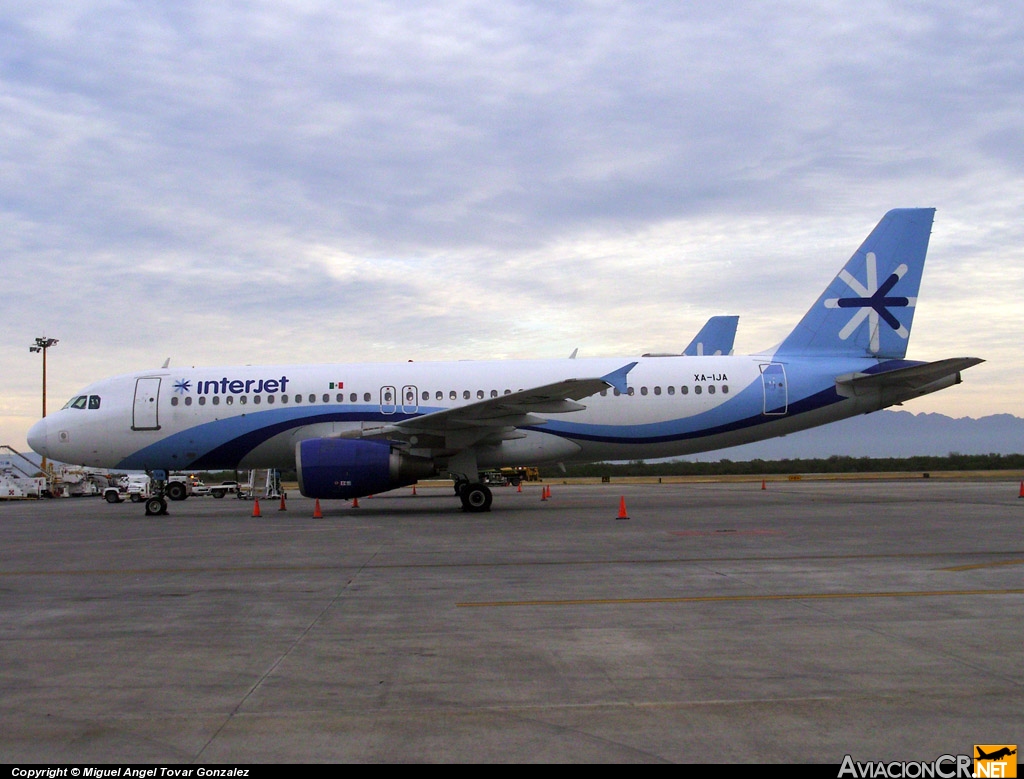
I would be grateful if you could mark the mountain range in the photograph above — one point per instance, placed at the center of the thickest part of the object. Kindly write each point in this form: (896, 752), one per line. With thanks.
(888, 434)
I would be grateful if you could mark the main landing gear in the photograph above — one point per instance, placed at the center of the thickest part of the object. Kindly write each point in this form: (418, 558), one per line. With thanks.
(475, 497)
(156, 505)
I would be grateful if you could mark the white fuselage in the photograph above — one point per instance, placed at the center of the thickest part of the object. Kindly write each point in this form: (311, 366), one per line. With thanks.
(246, 416)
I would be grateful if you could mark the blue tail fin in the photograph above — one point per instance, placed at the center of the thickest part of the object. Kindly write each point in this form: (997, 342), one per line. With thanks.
(868, 309)
(716, 337)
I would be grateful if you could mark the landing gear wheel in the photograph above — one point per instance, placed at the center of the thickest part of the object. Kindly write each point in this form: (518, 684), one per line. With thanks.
(176, 491)
(155, 506)
(476, 498)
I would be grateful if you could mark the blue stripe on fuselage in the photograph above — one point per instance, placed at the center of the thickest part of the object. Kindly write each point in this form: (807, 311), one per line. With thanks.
(226, 442)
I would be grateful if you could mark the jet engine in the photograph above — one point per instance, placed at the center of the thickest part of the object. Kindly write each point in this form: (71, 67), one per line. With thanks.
(346, 468)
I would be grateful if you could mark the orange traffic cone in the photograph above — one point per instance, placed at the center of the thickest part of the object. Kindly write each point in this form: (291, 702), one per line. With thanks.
(355, 503)
(317, 514)
(764, 484)
(548, 488)
(256, 508)
(543, 493)
(1021, 490)
(414, 489)
(519, 487)
(622, 508)
(282, 507)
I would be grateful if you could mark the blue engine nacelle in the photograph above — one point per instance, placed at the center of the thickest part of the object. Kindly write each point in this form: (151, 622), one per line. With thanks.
(350, 468)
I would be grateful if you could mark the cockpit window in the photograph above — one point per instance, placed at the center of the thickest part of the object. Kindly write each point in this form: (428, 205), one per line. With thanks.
(83, 401)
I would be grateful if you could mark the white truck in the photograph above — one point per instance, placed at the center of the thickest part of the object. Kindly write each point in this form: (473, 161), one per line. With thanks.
(137, 487)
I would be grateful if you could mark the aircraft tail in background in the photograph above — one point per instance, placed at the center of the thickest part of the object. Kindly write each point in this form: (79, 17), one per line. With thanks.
(868, 309)
(716, 337)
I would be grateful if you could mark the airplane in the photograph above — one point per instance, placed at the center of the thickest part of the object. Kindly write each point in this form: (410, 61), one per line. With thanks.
(352, 430)
(997, 755)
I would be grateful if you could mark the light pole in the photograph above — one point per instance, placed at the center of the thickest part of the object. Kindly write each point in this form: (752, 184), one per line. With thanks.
(41, 345)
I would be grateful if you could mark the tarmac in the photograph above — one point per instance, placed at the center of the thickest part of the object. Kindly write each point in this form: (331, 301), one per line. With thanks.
(720, 622)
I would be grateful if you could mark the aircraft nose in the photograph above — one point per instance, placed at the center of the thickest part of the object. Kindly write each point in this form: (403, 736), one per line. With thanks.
(37, 437)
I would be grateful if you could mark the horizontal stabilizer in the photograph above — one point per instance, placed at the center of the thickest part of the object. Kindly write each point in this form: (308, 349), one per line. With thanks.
(910, 380)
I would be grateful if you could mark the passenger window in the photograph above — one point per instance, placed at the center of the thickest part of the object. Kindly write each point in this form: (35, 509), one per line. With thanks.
(216, 400)
(94, 401)
(494, 393)
(366, 397)
(312, 398)
(711, 389)
(284, 398)
(453, 395)
(465, 395)
(327, 398)
(657, 390)
(188, 401)
(270, 399)
(298, 398)
(256, 399)
(426, 395)
(174, 401)
(341, 397)
(604, 392)
(243, 400)
(725, 389)
(616, 392)
(480, 393)
(671, 390)
(507, 392)
(202, 401)
(353, 397)
(229, 399)
(439, 395)
(697, 390)
(632, 391)
(643, 390)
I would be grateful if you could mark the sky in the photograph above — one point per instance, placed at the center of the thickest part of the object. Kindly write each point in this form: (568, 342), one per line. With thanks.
(281, 182)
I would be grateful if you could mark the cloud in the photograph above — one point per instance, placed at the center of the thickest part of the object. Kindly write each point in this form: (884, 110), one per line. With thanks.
(228, 182)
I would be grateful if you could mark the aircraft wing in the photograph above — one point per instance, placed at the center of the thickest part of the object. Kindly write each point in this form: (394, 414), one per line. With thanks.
(493, 418)
(908, 380)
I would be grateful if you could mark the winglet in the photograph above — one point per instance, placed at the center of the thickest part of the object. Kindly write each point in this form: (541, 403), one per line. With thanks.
(617, 379)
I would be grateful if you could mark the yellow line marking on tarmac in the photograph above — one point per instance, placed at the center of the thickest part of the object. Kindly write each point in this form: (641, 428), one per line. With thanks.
(736, 598)
(284, 567)
(983, 565)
